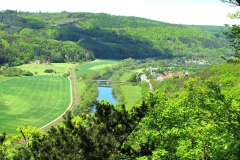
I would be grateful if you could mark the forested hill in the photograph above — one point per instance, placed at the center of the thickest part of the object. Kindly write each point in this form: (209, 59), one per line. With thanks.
(65, 36)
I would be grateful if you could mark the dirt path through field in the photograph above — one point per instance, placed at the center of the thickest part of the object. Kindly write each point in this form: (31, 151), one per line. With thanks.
(75, 86)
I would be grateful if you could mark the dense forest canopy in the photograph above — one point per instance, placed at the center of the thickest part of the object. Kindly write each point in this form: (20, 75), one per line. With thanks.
(68, 37)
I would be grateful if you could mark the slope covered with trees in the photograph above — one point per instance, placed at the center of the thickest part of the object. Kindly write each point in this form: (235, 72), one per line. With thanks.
(24, 39)
(65, 36)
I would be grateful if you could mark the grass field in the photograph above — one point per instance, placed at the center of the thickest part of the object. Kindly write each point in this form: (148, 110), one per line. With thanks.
(126, 76)
(95, 66)
(81, 87)
(59, 68)
(2, 78)
(132, 94)
(35, 100)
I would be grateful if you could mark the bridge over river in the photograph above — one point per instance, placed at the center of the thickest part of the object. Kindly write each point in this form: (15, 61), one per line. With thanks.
(108, 82)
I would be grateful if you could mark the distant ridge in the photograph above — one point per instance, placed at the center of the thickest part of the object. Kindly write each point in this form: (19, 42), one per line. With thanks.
(81, 36)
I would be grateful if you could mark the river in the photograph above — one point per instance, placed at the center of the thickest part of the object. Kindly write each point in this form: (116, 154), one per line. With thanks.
(105, 93)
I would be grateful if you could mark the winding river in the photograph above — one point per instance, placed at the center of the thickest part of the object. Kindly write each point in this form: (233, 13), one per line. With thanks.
(105, 93)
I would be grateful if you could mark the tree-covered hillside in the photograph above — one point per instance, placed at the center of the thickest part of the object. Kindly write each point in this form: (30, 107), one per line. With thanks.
(65, 36)
(24, 39)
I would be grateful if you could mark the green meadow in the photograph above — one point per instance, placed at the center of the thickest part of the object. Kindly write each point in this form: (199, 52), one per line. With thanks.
(34, 101)
(126, 76)
(59, 68)
(3, 78)
(95, 66)
(132, 94)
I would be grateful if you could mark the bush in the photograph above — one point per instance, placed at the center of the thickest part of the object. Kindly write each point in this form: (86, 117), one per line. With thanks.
(28, 73)
(66, 74)
(49, 71)
(15, 72)
(1, 71)
(12, 72)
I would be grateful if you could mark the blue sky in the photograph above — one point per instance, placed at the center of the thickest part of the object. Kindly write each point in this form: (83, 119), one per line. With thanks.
(198, 12)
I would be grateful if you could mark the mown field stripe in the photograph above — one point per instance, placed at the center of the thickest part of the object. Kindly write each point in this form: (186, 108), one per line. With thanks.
(21, 94)
(32, 107)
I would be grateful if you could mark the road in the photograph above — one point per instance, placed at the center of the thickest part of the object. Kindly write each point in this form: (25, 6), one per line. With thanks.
(149, 83)
(60, 118)
(75, 86)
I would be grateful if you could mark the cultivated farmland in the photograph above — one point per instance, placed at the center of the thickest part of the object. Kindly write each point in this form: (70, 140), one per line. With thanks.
(59, 68)
(95, 66)
(35, 101)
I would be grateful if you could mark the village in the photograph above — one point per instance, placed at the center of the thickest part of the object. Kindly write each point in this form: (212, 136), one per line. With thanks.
(161, 76)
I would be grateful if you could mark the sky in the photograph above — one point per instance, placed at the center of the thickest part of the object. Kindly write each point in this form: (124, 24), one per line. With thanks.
(193, 12)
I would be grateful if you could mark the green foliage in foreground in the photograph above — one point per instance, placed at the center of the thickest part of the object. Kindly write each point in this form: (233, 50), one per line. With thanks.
(88, 136)
(199, 120)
